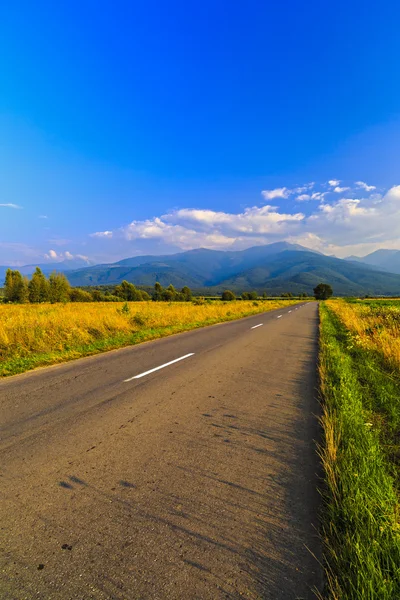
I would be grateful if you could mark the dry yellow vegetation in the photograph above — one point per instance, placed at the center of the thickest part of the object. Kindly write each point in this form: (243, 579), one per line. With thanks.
(374, 325)
(39, 334)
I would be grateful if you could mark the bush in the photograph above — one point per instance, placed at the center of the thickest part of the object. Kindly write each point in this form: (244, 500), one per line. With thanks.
(228, 296)
(139, 320)
(125, 310)
(78, 295)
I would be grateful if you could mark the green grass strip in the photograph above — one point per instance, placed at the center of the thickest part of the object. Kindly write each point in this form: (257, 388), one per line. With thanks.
(360, 516)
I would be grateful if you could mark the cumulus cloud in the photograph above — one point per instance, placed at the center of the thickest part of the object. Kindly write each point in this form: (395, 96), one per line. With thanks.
(60, 256)
(318, 196)
(10, 205)
(335, 225)
(277, 193)
(358, 221)
(314, 196)
(303, 188)
(285, 192)
(340, 190)
(189, 228)
(334, 182)
(365, 186)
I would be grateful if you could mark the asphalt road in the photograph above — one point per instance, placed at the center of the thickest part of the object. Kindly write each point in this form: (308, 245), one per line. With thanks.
(193, 481)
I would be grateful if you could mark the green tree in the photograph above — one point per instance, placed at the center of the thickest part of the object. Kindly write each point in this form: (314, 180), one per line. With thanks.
(158, 291)
(245, 296)
(38, 287)
(127, 291)
(96, 296)
(253, 295)
(9, 286)
(60, 289)
(170, 294)
(323, 291)
(186, 294)
(228, 296)
(144, 295)
(16, 287)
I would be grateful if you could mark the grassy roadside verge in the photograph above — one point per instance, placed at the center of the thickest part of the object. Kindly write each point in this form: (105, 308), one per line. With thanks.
(43, 335)
(361, 404)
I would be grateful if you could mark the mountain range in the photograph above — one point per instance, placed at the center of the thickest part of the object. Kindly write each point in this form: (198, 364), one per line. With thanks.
(386, 260)
(47, 268)
(274, 268)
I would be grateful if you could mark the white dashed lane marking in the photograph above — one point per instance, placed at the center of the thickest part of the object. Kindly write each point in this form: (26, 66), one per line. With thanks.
(171, 362)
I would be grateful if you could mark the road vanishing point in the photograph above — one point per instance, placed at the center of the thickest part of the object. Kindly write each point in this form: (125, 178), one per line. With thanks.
(182, 468)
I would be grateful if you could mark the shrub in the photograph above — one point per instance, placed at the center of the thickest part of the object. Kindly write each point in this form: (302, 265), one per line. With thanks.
(228, 296)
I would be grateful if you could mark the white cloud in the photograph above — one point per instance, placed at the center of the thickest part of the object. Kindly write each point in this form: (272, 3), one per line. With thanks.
(102, 234)
(334, 226)
(192, 228)
(358, 221)
(365, 186)
(60, 256)
(10, 205)
(277, 193)
(303, 188)
(313, 196)
(318, 196)
(334, 182)
(339, 190)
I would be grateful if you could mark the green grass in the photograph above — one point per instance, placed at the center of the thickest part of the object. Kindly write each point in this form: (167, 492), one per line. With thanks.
(360, 451)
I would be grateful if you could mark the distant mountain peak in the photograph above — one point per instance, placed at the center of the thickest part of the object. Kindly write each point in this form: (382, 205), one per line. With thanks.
(275, 268)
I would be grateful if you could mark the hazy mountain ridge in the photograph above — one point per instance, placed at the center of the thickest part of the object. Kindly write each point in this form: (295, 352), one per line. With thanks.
(273, 268)
(386, 260)
(47, 268)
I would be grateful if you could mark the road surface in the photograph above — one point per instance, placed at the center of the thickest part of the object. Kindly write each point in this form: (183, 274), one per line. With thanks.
(196, 480)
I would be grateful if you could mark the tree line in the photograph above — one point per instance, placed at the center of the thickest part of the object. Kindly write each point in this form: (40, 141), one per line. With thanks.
(56, 288)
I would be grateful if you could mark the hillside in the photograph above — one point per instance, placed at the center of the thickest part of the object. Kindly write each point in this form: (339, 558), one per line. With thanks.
(386, 260)
(199, 268)
(275, 268)
(301, 271)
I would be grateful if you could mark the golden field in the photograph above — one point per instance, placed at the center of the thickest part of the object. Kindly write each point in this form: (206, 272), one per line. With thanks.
(42, 334)
(374, 325)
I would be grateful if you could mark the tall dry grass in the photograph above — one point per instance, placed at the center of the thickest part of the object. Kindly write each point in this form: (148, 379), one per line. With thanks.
(359, 453)
(31, 334)
(374, 325)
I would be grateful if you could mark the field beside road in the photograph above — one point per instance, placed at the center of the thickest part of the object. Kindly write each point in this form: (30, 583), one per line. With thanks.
(360, 382)
(44, 334)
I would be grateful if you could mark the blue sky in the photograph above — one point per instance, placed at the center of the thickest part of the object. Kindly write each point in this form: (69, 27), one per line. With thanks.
(132, 127)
